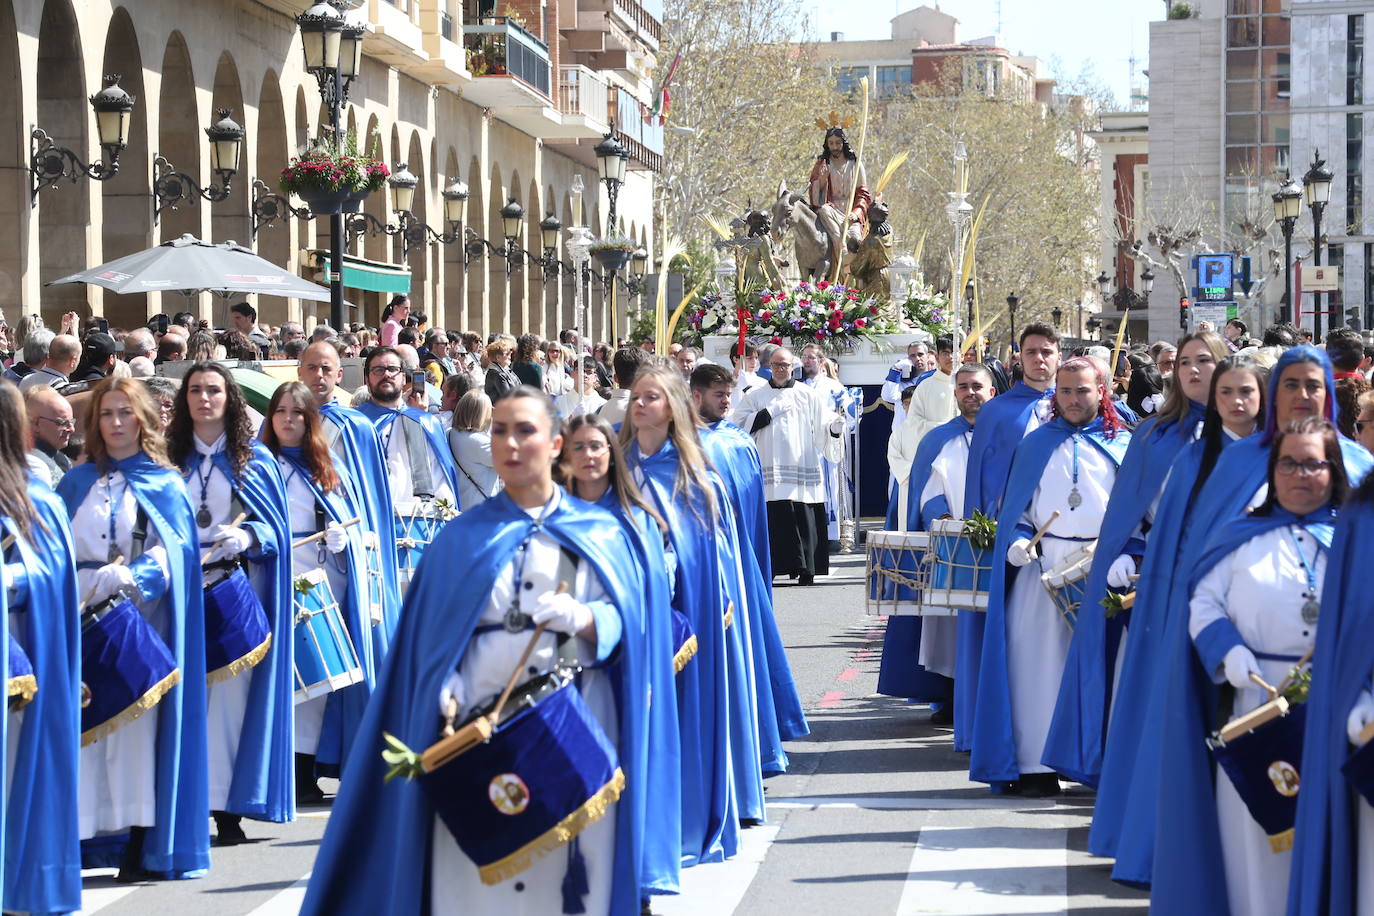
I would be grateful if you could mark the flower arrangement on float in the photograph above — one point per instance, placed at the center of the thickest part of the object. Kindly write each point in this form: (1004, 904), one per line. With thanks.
(829, 314)
(331, 175)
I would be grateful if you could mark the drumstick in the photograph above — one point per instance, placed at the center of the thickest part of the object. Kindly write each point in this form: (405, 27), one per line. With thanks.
(7, 543)
(205, 558)
(520, 665)
(319, 535)
(1043, 530)
(118, 561)
(1273, 691)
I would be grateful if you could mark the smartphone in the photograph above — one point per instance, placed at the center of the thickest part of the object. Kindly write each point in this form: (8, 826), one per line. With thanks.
(417, 380)
(160, 324)
(102, 325)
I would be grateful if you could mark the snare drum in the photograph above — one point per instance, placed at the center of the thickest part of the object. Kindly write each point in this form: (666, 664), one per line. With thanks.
(374, 598)
(417, 522)
(1264, 764)
(23, 684)
(960, 574)
(237, 635)
(325, 659)
(897, 572)
(126, 668)
(1067, 580)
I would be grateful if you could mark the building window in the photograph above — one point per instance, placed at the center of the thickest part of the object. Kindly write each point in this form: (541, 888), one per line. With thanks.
(893, 81)
(1368, 285)
(1354, 178)
(847, 78)
(1354, 60)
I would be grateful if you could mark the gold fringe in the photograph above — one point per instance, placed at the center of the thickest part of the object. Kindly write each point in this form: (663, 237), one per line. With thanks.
(24, 687)
(730, 615)
(1281, 842)
(591, 811)
(685, 654)
(134, 710)
(240, 665)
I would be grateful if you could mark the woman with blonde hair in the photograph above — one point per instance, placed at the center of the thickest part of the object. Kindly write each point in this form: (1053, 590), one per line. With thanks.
(128, 503)
(470, 441)
(500, 380)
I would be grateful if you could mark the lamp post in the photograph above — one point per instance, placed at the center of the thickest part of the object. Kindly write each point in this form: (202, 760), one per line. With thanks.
(1104, 286)
(1287, 208)
(1316, 186)
(171, 187)
(1056, 315)
(959, 210)
(1012, 302)
(50, 163)
(611, 159)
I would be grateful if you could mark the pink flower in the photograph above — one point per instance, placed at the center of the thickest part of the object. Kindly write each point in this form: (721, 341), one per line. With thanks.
(765, 315)
(872, 310)
(823, 284)
(860, 323)
(820, 335)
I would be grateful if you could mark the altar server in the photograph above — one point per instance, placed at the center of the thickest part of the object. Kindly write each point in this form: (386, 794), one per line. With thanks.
(42, 848)
(1078, 730)
(384, 849)
(148, 777)
(1067, 467)
(249, 704)
(418, 460)
(1254, 608)
(320, 505)
(836, 396)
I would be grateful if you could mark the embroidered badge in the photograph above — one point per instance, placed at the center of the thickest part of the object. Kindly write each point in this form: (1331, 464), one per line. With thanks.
(1284, 777)
(510, 795)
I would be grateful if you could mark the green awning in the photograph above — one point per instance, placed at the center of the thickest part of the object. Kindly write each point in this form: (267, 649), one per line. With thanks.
(360, 273)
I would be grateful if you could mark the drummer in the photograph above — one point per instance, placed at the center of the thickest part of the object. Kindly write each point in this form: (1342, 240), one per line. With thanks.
(43, 854)
(384, 849)
(318, 494)
(249, 710)
(1067, 467)
(1254, 608)
(418, 460)
(149, 777)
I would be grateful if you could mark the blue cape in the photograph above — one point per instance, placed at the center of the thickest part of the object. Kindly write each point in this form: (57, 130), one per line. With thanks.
(344, 709)
(362, 454)
(179, 843)
(1001, 427)
(735, 457)
(660, 869)
(264, 782)
(994, 747)
(1189, 874)
(383, 417)
(1323, 876)
(41, 836)
(376, 851)
(900, 675)
(710, 819)
(1078, 729)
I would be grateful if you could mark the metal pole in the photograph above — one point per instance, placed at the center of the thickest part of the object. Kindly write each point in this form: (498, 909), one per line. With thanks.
(1286, 303)
(1317, 209)
(336, 226)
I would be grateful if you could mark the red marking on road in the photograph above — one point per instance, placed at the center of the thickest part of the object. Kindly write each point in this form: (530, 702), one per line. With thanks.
(863, 655)
(831, 699)
(848, 674)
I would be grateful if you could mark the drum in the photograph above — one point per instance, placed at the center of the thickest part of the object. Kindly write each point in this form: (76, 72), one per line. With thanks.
(23, 684)
(417, 522)
(237, 634)
(544, 775)
(1264, 763)
(1359, 766)
(126, 668)
(325, 659)
(897, 570)
(684, 640)
(374, 601)
(960, 574)
(1067, 580)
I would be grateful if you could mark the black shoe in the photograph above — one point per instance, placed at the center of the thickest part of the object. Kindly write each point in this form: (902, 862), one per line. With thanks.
(943, 716)
(1011, 788)
(227, 829)
(806, 579)
(1039, 785)
(307, 789)
(131, 870)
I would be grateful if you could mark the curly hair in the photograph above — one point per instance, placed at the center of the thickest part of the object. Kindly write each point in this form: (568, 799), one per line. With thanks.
(238, 429)
(825, 144)
(150, 438)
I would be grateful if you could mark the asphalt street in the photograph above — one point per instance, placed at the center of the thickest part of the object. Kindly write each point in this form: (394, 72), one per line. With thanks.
(876, 814)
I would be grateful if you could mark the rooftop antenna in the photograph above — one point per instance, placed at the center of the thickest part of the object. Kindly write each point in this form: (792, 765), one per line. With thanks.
(999, 17)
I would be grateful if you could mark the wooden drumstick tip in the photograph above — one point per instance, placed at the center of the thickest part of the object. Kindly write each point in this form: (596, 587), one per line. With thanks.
(1044, 529)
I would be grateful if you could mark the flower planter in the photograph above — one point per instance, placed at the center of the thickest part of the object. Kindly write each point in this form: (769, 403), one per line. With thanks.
(322, 201)
(354, 203)
(612, 259)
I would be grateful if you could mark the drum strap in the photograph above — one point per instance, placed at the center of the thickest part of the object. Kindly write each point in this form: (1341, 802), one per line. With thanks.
(417, 448)
(139, 534)
(567, 654)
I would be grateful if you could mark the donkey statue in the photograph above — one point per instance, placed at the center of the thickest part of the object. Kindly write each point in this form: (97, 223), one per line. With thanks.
(812, 242)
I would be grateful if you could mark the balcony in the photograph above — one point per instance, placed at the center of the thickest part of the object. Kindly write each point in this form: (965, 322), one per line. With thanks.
(583, 100)
(615, 30)
(510, 74)
(447, 64)
(643, 140)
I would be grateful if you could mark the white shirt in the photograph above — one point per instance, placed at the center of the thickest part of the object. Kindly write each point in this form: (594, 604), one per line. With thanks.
(947, 473)
(1096, 474)
(398, 472)
(208, 485)
(614, 410)
(793, 443)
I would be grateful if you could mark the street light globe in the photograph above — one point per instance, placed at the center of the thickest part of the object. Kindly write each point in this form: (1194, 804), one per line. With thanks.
(1147, 281)
(226, 144)
(1012, 301)
(1317, 182)
(611, 158)
(351, 50)
(402, 182)
(321, 33)
(549, 227)
(112, 106)
(1288, 200)
(455, 202)
(512, 218)
(639, 261)
(1104, 285)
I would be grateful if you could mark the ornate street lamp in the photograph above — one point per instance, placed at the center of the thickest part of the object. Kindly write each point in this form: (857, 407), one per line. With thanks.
(1104, 285)
(1287, 209)
(1316, 186)
(1056, 315)
(611, 159)
(50, 163)
(1012, 301)
(171, 187)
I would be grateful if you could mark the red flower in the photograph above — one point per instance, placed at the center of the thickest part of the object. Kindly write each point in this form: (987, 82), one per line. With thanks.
(834, 324)
(765, 315)
(767, 298)
(823, 284)
(820, 335)
(872, 310)
(860, 323)
(775, 340)
(854, 297)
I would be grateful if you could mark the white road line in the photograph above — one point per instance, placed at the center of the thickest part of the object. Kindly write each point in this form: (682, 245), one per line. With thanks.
(94, 899)
(898, 803)
(718, 888)
(987, 871)
(285, 903)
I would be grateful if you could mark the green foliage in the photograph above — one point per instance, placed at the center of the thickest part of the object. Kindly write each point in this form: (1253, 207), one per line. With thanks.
(1181, 11)
(1296, 686)
(402, 761)
(646, 325)
(982, 531)
(1112, 602)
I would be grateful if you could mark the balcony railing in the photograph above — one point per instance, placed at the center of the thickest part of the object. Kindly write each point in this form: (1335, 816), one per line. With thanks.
(630, 124)
(500, 47)
(640, 16)
(582, 92)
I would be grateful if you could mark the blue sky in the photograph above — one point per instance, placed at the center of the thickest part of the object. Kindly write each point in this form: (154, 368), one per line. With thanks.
(1101, 33)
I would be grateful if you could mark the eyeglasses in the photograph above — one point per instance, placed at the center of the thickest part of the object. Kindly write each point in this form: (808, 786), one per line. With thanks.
(1309, 468)
(61, 424)
(388, 371)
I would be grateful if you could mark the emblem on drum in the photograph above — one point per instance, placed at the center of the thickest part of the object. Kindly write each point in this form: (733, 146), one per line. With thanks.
(1284, 777)
(510, 795)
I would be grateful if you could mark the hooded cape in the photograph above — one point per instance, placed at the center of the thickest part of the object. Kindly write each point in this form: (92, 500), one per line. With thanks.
(1001, 427)
(375, 855)
(41, 837)
(383, 417)
(179, 843)
(1078, 730)
(1189, 874)
(994, 747)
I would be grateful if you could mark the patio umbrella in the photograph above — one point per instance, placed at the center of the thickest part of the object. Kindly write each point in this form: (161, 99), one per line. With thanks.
(190, 266)
(257, 387)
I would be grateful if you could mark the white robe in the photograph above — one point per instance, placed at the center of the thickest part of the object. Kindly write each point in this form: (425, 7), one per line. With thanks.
(398, 471)
(834, 394)
(932, 405)
(455, 885)
(1259, 586)
(118, 786)
(939, 634)
(792, 445)
(1037, 636)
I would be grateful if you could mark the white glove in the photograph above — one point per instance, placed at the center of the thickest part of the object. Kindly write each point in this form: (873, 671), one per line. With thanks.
(562, 612)
(1120, 572)
(1238, 665)
(1020, 552)
(837, 425)
(335, 537)
(781, 408)
(229, 542)
(1361, 714)
(112, 578)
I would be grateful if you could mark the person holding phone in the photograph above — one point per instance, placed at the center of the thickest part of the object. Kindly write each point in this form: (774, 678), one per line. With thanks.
(418, 461)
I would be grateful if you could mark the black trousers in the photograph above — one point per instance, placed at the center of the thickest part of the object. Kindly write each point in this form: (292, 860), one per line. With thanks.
(797, 538)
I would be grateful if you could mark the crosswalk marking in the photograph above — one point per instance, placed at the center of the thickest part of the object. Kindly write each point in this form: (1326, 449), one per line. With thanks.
(94, 899)
(898, 803)
(719, 887)
(987, 871)
(287, 902)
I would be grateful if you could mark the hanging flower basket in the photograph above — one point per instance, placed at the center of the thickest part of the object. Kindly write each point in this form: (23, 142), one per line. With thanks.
(323, 201)
(354, 203)
(613, 253)
(333, 177)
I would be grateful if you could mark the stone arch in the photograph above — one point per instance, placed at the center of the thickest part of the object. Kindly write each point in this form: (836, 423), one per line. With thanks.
(302, 121)
(64, 214)
(229, 219)
(536, 291)
(376, 204)
(14, 183)
(126, 218)
(180, 139)
(421, 295)
(455, 310)
(274, 241)
(474, 276)
(499, 299)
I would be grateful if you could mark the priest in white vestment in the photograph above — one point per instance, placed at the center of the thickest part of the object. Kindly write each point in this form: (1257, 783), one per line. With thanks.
(837, 396)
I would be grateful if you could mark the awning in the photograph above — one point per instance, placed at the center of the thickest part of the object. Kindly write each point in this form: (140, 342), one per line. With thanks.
(360, 273)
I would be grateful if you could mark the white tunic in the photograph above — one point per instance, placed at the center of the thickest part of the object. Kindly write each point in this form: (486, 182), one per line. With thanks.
(834, 394)
(398, 470)
(939, 634)
(1037, 636)
(932, 405)
(1259, 587)
(118, 787)
(792, 445)
(455, 885)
